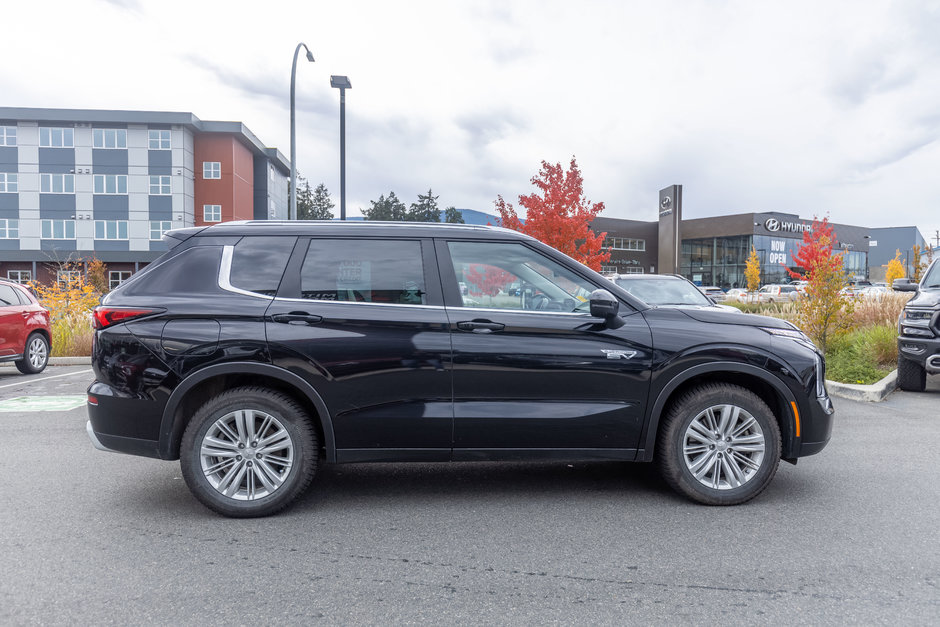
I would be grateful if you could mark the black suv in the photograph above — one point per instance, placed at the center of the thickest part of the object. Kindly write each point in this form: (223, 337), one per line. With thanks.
(253, 351)
(919, 330)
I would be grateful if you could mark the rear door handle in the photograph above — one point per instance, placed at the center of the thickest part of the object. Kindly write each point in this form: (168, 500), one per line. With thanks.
(297, 317)
(480, 326)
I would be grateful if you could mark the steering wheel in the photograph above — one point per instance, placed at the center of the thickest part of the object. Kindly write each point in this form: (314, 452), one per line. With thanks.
(539, 301)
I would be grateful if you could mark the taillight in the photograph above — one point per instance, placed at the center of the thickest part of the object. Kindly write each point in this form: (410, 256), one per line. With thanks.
(107, 316)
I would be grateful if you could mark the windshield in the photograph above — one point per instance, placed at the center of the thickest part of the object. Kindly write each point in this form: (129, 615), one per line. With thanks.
(933, 276)
(664, 291)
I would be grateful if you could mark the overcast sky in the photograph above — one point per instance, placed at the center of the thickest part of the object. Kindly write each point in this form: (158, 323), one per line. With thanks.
(814, 108)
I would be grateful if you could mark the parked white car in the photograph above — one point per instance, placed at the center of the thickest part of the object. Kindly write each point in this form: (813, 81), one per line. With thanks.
(778, 294)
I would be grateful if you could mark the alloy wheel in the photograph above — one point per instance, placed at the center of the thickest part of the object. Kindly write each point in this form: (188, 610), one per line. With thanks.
(723, 447)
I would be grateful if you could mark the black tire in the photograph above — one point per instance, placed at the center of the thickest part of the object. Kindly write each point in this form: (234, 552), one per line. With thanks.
(911, 375)
(680, 447)
(271, 476)
(35, 354)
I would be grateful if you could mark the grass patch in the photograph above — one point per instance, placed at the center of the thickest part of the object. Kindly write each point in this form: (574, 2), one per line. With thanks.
(864, 356)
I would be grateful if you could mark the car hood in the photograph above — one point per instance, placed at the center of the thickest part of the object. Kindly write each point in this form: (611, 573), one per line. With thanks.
(925, 298)
(719, 316)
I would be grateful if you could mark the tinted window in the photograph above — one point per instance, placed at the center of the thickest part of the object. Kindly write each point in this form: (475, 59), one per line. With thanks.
(259, 262)
(374, 271)
(193, 271)
(8, 296)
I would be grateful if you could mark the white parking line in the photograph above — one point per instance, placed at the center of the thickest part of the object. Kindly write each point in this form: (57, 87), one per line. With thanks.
(55, 376)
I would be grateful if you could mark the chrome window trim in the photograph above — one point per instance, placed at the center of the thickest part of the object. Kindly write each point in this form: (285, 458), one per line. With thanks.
(524, 311)
(225, 271)
(355, 302)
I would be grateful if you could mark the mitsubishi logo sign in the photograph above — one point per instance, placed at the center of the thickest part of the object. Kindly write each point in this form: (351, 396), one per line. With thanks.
(772, 224)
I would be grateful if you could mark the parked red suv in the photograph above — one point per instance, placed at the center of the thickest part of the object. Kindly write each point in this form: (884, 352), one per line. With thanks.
(25, 334)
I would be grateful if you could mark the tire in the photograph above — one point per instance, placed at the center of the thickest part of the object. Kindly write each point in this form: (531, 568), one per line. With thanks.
(697, 464)
(35, 354)
(911, 375)
(242, 480)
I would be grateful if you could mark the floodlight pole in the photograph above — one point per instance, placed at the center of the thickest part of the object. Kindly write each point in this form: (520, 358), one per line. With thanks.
(292, 207)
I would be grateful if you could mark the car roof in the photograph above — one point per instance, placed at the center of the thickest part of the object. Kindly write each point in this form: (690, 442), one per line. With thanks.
(355, 227)
(645, 276)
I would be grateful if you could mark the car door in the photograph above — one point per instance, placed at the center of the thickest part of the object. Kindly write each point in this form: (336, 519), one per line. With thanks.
(12, 322)
(535, 374)
(362, 319)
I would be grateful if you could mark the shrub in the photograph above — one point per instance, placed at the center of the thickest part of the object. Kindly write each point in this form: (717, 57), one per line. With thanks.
(864, 356)
(69, 304)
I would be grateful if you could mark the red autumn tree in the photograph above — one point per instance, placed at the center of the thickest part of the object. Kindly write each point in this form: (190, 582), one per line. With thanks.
(559, 214)
(486, 279)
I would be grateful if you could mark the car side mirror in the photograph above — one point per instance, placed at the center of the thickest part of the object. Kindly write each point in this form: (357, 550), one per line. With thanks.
(904, 285)
(605, 305)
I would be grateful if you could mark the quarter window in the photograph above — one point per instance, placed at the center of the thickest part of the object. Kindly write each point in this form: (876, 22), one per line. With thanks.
(8, 296)
(159, 185)
(211, 170)
(58, 229)
(110, 183)
(9, 229)
(158, 228)
(7, 136)
(212, 213)
(159, 140)
(371, 271)
(110, 138)
(50, 137)
(110, 229)
(57, 183)
(512, 276)
(8, 182)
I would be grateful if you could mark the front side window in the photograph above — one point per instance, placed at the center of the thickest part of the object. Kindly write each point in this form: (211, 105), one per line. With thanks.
(9, 229)
(110, 229)
(116, 277)
(110, 138)
(57, 183)
(110, 183)
(8, 182)
(58, 229)
(20, 276)
(513, 276)
(370, 271)
(159, 140)
(212, 213)
(159, 185)
(50, 137)
(158, 228)
(211, 170)
(7, 136)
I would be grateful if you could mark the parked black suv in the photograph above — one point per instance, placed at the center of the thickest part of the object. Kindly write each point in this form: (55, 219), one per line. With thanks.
(252, 351)
(919, 330)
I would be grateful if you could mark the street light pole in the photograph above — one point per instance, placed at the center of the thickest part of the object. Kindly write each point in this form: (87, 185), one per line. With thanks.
(342, 83)
(292, 209)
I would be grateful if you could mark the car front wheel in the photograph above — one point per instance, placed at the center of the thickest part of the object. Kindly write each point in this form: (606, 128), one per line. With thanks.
(249, 452)
(719, 444)
(911, 375)
(35, 356)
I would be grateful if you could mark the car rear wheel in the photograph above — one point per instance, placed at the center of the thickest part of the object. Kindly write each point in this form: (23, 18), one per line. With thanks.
(249, 452)
(719, 444)
(911, 376)
(35, 355)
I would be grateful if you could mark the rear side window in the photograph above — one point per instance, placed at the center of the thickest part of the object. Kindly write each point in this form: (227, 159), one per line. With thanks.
(259, 262)
(8, 296)
(193, 271)
(373, 271)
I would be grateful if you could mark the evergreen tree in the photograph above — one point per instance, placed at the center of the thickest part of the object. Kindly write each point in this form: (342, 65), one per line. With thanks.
(425, 210)
(320, 207)
(304, 199)
(453, 216)
(390, 209)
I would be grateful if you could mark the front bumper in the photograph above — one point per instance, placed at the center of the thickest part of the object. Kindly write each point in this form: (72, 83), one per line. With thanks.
(923, 351)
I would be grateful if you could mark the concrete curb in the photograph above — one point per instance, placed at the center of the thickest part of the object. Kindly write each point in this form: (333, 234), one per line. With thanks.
(874, 393)
(59, 361)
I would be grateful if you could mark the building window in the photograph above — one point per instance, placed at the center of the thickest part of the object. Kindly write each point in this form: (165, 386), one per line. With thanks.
(68, 277)
(110, 138)
(20, 276)
(56, 137)
(158, 228)
(58, 229)
(110, 229)
(625, 243)
(110, 183)
(9, 229)
(212, 213)
(8, 182)
(159, 140)
(211, 170)
(116, 277)
(631, 270)
(271, 172)
(7, 136)
(159, 185)
(608, 269)
(57, 183)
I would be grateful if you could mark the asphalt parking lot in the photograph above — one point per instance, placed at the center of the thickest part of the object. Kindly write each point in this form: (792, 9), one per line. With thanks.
(847, 536)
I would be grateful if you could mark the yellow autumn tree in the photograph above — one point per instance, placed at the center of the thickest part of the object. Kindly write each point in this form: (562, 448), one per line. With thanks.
(895, 269)
(69, 302)
(752, 271)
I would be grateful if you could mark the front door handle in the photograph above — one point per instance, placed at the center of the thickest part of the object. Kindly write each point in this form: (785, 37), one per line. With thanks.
(297, 317)
(480, 326)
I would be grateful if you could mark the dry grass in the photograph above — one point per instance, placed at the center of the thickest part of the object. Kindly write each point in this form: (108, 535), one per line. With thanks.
(71, 337)
(873, 312)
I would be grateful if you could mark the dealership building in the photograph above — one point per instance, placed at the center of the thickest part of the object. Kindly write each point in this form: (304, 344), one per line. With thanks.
(714, 251)
(77, 184)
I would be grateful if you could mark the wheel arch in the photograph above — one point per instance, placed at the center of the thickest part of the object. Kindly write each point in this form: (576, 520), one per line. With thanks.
(767, 387)
(195, 389)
